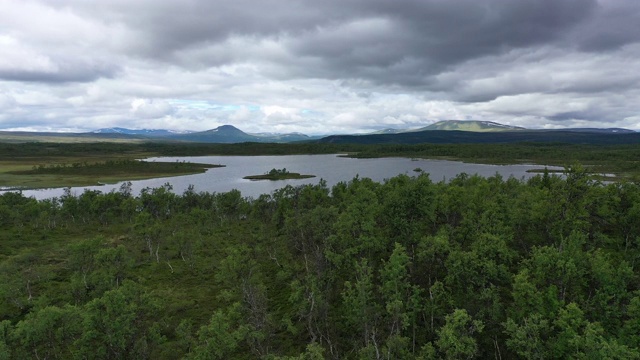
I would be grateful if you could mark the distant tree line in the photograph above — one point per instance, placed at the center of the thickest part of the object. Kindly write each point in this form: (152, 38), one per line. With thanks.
(619, 159)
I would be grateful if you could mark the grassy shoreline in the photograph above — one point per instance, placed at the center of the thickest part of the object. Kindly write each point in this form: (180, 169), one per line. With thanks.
(92, 173)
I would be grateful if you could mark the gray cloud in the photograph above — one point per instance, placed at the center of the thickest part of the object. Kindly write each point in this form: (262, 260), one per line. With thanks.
(438, 34)
(61, 73)
(349, 35)
(613, 25)
(333, 65)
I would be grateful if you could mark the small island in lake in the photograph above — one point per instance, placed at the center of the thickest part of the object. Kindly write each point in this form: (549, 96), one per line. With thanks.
(278, 174)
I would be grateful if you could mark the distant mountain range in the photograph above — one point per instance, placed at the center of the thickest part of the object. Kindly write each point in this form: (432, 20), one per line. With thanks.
(468, 137)
(142, 132)
(225, 134)
(458, 131)
(489, 126)
(471, 125)
(449, 131)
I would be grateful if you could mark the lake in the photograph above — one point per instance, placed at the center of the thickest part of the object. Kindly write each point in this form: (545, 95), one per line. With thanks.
(332, 168)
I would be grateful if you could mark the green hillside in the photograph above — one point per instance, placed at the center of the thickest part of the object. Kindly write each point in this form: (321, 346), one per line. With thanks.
(470, 125)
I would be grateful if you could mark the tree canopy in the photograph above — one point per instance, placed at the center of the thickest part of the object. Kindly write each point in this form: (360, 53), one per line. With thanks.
(405, 269)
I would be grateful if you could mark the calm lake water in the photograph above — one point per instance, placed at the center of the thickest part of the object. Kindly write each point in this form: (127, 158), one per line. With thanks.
(332, 168)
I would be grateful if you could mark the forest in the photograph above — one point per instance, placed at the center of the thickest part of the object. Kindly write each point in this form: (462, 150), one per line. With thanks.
(405, 269)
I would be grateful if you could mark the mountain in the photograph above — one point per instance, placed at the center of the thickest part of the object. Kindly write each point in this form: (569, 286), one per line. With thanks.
(470, 125)
(228, 134)
(597, 130)
(441, 132)
(466, 137)
(225, 134)
(143, 132)
(388, 131)
(288, 137)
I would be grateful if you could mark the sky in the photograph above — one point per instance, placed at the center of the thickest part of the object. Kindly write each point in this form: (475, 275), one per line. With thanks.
(317, 67)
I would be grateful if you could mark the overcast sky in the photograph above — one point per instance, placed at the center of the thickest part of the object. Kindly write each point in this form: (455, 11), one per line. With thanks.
(317, 66)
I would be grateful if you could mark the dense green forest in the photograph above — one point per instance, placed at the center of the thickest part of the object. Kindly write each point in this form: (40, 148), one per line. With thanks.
(407, 269)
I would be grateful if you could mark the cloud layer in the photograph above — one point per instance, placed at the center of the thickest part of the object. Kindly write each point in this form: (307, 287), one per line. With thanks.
(317, 67)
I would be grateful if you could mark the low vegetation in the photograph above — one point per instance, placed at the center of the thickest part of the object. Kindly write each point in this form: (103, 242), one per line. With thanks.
(94, 173)
(278, 174)
(621, 160)
(405, 269)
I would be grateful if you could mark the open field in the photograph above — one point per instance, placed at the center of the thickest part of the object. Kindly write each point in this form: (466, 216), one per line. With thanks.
(32, 166)
(66, 138)
(108, 172)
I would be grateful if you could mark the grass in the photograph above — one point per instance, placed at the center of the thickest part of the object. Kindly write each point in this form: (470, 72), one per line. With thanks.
(24, 137)
(65, 172)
